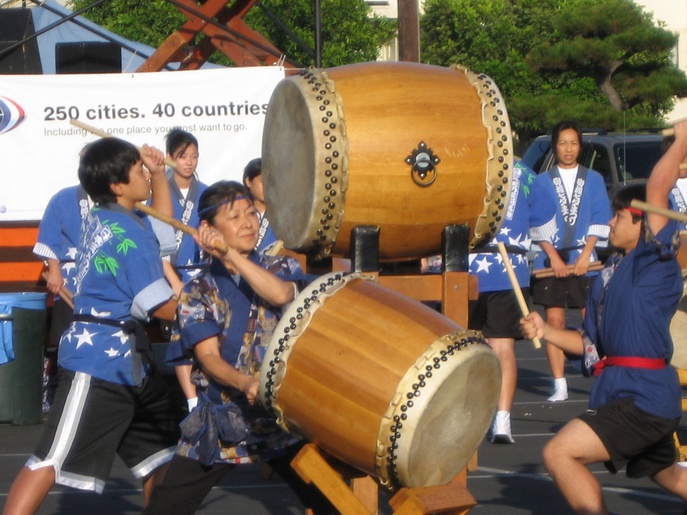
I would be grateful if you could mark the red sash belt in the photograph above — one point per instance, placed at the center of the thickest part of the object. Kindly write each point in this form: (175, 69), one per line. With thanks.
(628, 361)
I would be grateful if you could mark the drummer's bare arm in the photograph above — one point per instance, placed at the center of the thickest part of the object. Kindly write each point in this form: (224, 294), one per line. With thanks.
(264, 283)
(568, 340)
(664, 176)
(161, 199)
(207, 354)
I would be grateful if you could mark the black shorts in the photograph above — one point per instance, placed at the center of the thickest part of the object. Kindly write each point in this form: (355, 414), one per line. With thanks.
(91, 420)
(497, 314)
(570, 292)
(640, 440)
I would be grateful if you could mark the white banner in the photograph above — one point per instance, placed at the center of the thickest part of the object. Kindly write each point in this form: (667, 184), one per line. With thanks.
(224, 109)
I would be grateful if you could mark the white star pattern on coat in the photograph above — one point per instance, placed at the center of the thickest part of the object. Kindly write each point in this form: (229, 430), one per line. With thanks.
(111, 352)
(101, 314)
(123, 337)
(483, 265)
(84, 338)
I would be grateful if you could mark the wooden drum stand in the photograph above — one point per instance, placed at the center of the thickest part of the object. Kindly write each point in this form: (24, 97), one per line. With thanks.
(351, 491)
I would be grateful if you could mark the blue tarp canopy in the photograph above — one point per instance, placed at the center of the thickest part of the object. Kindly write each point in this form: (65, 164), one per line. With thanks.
(79, 29)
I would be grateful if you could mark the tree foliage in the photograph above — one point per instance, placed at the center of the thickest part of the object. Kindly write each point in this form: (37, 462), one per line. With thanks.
(349, 33)
(605, 64)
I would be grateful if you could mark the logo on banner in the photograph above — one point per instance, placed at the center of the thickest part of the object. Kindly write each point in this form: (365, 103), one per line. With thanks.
(11, 114)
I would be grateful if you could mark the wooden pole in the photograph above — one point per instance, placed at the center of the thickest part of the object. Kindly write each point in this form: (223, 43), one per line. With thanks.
(524, 309)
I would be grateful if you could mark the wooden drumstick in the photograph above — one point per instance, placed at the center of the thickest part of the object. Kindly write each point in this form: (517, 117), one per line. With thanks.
(542, 273)
(650, 208)
(524, 309)
(176, 224)
(64, 292)
(81, 125)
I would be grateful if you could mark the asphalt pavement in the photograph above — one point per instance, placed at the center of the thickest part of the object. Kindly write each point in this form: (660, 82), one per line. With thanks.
(509, 479)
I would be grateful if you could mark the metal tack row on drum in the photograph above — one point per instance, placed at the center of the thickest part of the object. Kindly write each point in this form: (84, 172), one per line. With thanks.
(407, 147)
(380, 381)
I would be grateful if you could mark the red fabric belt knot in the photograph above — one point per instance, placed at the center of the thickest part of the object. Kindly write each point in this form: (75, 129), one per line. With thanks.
(629, 361)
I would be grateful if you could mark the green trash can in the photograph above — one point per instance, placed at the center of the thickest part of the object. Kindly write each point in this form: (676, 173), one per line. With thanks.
(23, 324)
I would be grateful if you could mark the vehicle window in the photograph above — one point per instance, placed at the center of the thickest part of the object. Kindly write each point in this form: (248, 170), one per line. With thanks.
(596, 158)
(536, 154)
(637, 160)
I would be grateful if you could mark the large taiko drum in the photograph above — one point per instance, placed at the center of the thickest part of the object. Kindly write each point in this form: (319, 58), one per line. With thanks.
(380, 381)
(407, 147)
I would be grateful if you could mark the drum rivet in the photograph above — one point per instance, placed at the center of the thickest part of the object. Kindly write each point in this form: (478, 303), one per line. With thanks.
(335, 153)
(328, 146)
(334, 180)
(410, 404)
(326, 199)
(328, 173)
(437, 365)
(332, 126)
(404, 408)
(505, 152)
(332, 193)
(327, 227)
(500, 143)
(326, 133)
(429, 374)
(331, 205)
(404, 416)
(286, 329)
(292, 319)
(326, 120)
(325, 211)
(332, 139)
(326, 102)
(330, 217)
(327, 160)
(322, 108)
(329, 113)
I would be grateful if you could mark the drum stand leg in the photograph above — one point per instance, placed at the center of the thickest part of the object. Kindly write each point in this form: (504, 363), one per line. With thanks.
(361, 497)
(358, 499)
(450, 499)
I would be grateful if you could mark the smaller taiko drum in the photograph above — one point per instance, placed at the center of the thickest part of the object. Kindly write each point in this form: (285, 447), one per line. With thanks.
(380, 381)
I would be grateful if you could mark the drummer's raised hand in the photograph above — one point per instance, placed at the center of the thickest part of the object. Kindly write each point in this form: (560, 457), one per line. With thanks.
(210, 240)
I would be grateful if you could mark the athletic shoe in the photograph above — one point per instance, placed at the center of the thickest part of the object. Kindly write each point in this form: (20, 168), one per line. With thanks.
(500, 428)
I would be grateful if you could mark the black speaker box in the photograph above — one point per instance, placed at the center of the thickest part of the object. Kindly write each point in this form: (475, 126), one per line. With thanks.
(16, 25)
(88, 57)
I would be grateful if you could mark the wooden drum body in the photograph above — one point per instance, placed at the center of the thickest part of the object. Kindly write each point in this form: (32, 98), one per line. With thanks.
(380, 381)
(407, 147)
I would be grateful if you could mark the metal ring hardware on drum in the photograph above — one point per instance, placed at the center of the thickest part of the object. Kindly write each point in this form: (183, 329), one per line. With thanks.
(291, 326)
(423, 164)
(409, 390)
(331, 158)
(500, 162)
